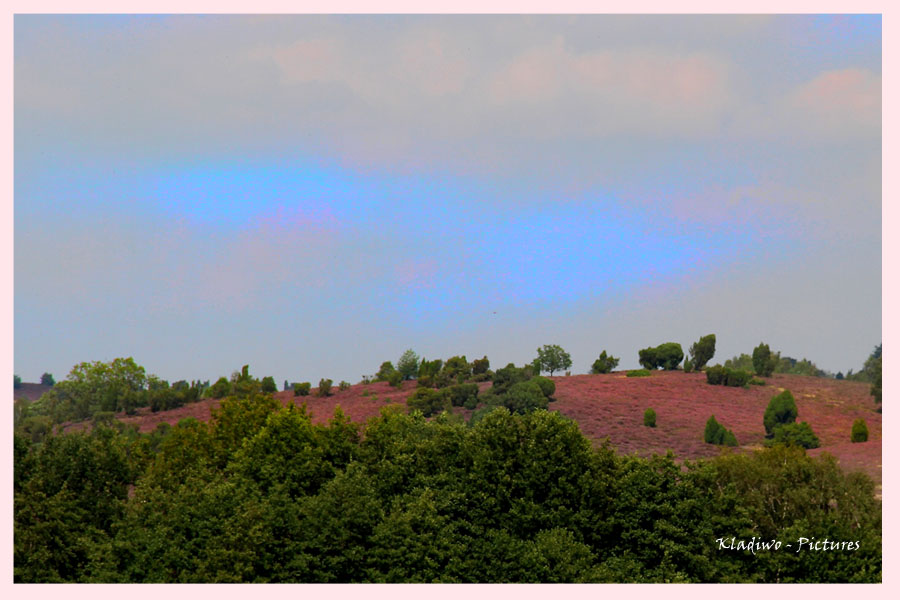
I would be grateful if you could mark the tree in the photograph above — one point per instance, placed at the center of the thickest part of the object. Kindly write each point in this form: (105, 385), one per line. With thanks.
(268, 385)
(702, 351)
(604, 364)
(781, 410)
(553, 358)
(17, 382)
(408, 364)
(386, 368)
(872, 369)
(764, 362)
(666, 356)
(47, 379)
(650, 418)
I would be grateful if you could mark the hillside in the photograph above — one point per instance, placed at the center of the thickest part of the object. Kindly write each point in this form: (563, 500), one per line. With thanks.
(613, 405)
(30, 391)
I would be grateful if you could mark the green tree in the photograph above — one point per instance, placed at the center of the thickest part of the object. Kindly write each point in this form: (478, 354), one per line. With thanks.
(859, 432)
(781, 410)
(650, 418)
(408, 365)
(17, 382)
(764, 362)
(666, 356)
(47, 379)
(553, 358)
(604, 364)
(324, 388)
(386, 368)
(268, 385)
(797, 434)
(702, 351)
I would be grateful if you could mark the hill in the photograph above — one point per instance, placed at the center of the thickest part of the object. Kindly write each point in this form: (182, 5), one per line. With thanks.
(612, 406)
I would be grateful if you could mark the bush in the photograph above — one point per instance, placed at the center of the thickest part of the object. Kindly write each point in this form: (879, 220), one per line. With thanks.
(859, 433)
(719, 375)
(736, 378)
(638, 373)
(715, 375)
(524, 397)
(795, 434)
(782, 410)
(455, 370)
(386, 368)
(430, 369)
(344, 385)
(508, 376)
(103, 417)
(548, 388)
(665, 356)
(324, 388)
(756, 381)
(480, 366)
(395, 378)
(428, 401)
(764, 361)
(715, 433)
(650, 418)
(463, 394)
(220, 389)
(268, 385)
(302, 389)
(17, 382)
(604, 364)
(688, 365)
(47, 379)
(702, 351)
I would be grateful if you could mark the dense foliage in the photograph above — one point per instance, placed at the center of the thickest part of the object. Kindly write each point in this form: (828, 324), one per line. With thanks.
(796, 434)
(552, 358)
(702, 351)
(604, 364)
(782, 410)
(665, 356)
(261, 494)
(719, 375)
(650, 418)
(715, 433)
(859, 432)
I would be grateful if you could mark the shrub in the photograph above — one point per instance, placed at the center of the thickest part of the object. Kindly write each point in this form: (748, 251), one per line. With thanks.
(508, 376)
(756, 381)
(462, 394)
(47, 379)
(736, 378)
(430, 368)
(859, 433)
(650, 418)
(638, 373)
(344, 385)
(455, 370)
(324, 388)
(782, 410)
(268, 385)
(665, 356)
(702, 351)
(395, 378)
(220, 389)
(103, 417)
(471, 402)
(715, 375)
(715, 433)
(688, 365)
(302, 389)
(795, 434)
(428, 401)
(604, 364)
(480, 366)
(764, 361)
(386, 368)
(552, 358)
(548, 388)
(525, 396)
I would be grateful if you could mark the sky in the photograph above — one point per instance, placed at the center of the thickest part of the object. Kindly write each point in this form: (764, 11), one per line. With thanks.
(313, 195)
